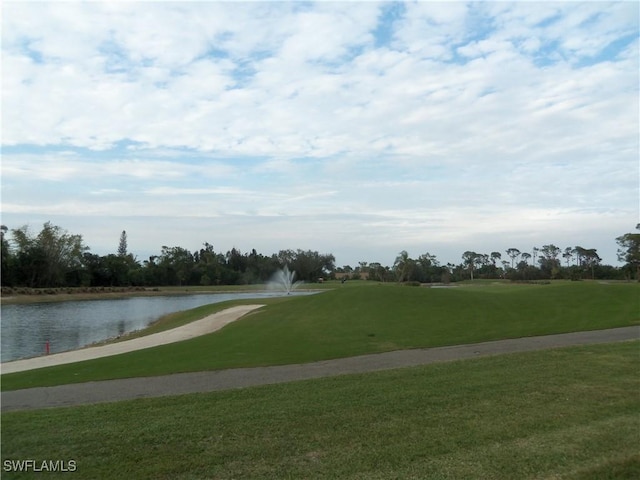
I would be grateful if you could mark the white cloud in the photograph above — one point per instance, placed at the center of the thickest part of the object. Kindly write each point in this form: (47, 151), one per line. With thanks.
(429, 29)
(77, 166)
(522, 116)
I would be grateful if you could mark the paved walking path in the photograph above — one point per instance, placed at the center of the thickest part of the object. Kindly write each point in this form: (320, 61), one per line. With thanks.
(131, 388)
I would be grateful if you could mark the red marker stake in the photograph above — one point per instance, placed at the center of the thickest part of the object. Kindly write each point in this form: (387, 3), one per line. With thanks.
(46, 347)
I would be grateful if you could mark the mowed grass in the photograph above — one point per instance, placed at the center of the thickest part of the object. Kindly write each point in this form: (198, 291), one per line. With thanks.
(365, 319)
(563, 414)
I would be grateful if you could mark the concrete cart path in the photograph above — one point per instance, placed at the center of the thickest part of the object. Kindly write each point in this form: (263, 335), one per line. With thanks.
(177, 384)
(194, 329)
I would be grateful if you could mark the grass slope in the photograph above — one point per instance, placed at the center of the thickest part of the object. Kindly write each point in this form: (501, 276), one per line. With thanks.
(564, 414)
(365, 319)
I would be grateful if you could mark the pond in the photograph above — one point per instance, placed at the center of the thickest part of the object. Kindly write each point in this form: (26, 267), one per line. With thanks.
(26, 329)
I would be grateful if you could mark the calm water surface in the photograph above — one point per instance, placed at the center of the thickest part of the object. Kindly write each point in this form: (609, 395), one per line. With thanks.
(25, 329)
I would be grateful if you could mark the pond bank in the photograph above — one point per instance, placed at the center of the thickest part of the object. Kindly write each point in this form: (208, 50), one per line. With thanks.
(46, 295)
(206, 325)
(33, 329)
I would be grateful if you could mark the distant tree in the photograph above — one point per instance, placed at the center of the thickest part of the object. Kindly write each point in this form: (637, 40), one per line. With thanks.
(629, 251)
(209, 265)
(6, 270)
(523, 271)
(403, 266)
(237, 263)
(286, 258)
(550, 251)
(152, 274)
(579, 253)
(549, 262)
(117, 268)
(122, 246)
(178, 264)
(96, 270)
(378, 272)
(522, 266)
(428, 260)
(482, 262)
(513, 253)
(259, 268)
(469, 260)
(311, 265)
(590, 260)
(49, 259)
(495, 256)
(525, 257)
(447, 271)
(427, 269)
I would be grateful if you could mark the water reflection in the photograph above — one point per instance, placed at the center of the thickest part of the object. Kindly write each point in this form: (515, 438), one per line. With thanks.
(66, 326)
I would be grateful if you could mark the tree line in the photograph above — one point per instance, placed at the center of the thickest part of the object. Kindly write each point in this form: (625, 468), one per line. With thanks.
(542, 263)
(56, 258)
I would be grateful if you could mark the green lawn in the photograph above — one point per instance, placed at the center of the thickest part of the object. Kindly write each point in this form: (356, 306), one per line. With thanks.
(563, 414)
(363, 319)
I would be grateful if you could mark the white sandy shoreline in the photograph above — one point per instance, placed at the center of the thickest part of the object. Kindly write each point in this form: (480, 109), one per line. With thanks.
(194, 329)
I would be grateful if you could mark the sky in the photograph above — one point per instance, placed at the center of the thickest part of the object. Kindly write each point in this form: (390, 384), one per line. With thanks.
(359, 129)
